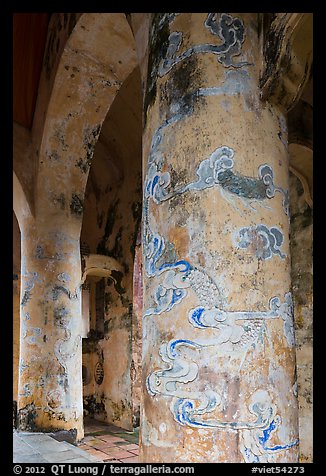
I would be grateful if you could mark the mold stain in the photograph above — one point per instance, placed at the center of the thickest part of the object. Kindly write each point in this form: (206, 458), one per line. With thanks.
(99, 219)
(118, 409)
(117, 277)
(109, 226)
(163, 58)
(93, 406)
(271, 49)
(158, 46)
(116, 250)
(176, 95)
(26, 418)
(76, 205)
(61, 316)
(91, 135)
(65, 22)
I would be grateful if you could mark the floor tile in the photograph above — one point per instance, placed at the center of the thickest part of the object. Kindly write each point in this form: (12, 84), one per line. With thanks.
(84, 447)
(130, 447)
(36, 458)
(133, 459)
(120, 454)
(97, 454)
(78, 460)
(61, 457)
(112, 444)
(111, 438)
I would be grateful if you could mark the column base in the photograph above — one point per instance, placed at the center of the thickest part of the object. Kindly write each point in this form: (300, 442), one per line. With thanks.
(33, 420)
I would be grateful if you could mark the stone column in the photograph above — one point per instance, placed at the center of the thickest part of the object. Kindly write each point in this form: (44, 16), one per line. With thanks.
(50, 381)
(218, 345)
(15, 312)
(16, 338)
(137, 331)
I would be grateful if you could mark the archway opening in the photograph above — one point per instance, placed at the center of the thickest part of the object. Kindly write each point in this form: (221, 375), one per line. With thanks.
(300, 138)
(111, 220)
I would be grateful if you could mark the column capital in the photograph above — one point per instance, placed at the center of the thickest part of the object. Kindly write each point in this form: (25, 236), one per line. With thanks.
(287, 56)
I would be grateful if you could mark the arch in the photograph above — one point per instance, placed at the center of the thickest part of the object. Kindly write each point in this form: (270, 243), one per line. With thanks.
(20, 204)
(99, 265)
(300, 140)
(111, 218)
(98, 56)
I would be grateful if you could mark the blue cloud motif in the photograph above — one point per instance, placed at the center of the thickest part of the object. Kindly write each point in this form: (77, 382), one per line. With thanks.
(264, 242)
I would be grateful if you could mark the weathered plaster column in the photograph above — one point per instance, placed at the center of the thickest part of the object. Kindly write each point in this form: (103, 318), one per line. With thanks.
(16, 333)
(16, 313)
(50, 381)
(137, 330)
(218, 343)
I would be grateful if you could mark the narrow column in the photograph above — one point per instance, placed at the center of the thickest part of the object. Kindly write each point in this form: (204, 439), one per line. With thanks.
(16, 338)
(15, 312)
(137, 331)
(218, 345)
(50, 381)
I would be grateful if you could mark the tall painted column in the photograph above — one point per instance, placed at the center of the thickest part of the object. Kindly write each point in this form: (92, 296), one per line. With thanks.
(218, 344)
(50, 381)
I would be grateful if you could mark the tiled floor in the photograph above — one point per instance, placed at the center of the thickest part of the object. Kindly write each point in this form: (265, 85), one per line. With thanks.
(43, 448)
(110, 443)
